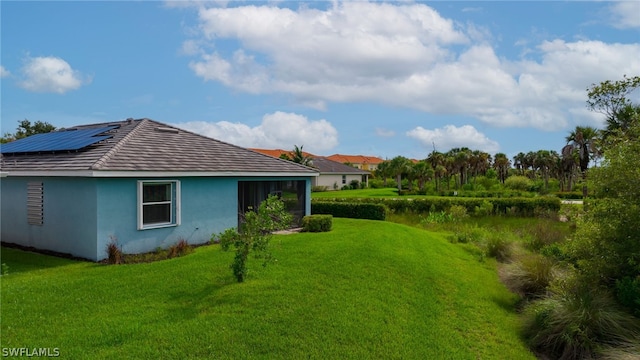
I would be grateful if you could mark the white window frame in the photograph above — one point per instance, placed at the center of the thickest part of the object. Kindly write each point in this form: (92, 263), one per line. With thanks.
(175, 204)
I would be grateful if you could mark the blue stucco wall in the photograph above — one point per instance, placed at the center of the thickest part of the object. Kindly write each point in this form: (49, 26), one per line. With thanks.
(208, 205)
(69, 215)
(82, 215)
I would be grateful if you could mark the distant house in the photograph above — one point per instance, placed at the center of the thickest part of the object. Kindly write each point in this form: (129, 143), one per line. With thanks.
(333, 175)
(369, 163)
(140, 182)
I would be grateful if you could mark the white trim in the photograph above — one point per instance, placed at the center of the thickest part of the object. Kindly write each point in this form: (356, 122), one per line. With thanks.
(176, 218)
(138, 174)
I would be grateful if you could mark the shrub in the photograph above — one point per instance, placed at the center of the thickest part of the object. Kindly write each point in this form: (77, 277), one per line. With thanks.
(317, 223)
(529, 275)
(354, 210)
(114, 253)
(319, 188)
(254, 234)
(484, 209)
(518, 182)
(458, 212)
(354, 184)
(576, 321)
(436, 218)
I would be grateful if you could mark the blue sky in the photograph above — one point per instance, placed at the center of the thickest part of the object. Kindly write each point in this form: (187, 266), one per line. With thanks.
(369, 78)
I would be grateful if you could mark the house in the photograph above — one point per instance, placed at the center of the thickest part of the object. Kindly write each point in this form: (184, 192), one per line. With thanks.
(333, 175)
(369, 163)
(139, 182)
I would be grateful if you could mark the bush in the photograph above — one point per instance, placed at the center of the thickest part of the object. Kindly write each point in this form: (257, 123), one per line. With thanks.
(484, 209)
(577, 321)
(319, 188)
(529, 275)
(254, 234)
(518, 182)
(354, 184)
(458, 212)
(317, 223)
(350, 210)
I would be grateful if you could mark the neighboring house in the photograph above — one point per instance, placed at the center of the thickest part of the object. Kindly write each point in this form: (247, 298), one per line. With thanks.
(140, 182)
(369, 163)
(333, 175)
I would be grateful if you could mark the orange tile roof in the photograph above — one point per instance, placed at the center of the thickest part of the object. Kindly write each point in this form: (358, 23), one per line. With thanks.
(355, 159)
(276, 153)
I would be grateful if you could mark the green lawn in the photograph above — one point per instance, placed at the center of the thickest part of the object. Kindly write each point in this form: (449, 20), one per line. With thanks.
(366, 290)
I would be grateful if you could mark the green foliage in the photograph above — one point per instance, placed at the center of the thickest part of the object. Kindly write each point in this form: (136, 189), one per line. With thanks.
(317, 223)
(26, 128)
(611, 99)
(254, 234)
(319, 188)
(353, 210)
(4, 269)
(437, 218)
(484, 209)
(577, 321)
(606, 245)
(469, 234)
(517, 182)
(627, 292)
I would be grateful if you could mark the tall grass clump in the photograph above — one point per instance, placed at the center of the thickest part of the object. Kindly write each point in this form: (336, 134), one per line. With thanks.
(114, 253)
(543, 234)
(578, 321)
(499, 245)
(530, 275)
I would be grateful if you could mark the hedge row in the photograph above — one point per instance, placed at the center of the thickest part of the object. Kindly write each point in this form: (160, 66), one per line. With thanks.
(519, 206)
(317, 223)
(472, 193)
(354, 210)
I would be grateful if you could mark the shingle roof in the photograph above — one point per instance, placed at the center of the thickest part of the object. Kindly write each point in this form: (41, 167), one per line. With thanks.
(148, 145)
(326, 166)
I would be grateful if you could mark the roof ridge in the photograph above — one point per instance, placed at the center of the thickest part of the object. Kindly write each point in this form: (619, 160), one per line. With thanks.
(105, 158)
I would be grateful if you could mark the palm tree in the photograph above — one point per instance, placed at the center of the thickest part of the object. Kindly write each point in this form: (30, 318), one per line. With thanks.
(518, 162)
(502, 164)
(423, 172)
(384, 171)
(583, 140)
(298, 156)
(399, 166)
(437, 161)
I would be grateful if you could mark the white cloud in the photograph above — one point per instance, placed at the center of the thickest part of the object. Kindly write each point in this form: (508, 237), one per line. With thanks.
(404, 55)
(278, 130)
(4, 72)
(50, 74)
(625, 14)
(450, 136)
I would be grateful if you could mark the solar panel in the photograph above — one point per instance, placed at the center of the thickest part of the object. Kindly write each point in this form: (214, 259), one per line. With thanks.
(68, 140)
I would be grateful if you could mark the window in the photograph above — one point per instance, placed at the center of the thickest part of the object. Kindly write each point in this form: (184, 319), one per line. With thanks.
(158, 204)
(344, 179)
(35, 206)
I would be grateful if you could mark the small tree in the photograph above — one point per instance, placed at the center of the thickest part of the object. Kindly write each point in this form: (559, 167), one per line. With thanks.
(254, 234)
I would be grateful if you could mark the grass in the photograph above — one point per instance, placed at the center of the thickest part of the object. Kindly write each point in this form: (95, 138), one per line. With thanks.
(365, 290)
